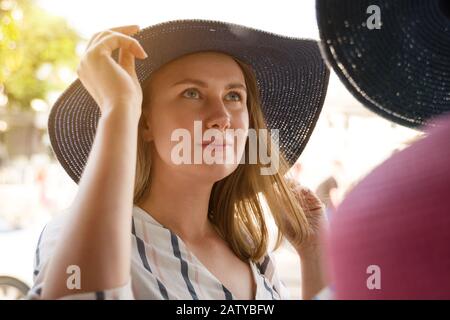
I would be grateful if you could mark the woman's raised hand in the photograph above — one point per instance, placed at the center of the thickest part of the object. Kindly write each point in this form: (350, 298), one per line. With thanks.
(113, 85)
(315, 214)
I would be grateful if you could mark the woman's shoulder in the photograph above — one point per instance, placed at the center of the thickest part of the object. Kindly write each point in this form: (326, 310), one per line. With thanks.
(266, 265)
(267, 268)
(53, 227)
(142, 215)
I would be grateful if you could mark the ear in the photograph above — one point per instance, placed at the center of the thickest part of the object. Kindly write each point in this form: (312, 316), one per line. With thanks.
(146, 128)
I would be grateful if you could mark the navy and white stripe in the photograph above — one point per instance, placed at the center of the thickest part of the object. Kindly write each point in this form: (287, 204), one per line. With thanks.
(228, 295)
(183, 264)
(141, 249)
(162, 267)
(37, 255)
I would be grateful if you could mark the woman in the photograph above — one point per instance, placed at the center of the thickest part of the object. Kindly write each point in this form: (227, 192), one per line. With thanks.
(197, 229)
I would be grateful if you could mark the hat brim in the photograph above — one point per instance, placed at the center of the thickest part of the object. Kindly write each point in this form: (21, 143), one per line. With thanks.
(400, 71)
(291, 75)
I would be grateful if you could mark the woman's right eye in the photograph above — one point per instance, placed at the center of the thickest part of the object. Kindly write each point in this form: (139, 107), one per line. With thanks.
(191, 93)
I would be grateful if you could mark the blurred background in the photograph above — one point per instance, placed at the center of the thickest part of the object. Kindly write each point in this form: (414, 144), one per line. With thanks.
(41, 42)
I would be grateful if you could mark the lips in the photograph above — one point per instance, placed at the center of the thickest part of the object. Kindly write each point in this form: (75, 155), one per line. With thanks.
(222, 144)
(204, 144)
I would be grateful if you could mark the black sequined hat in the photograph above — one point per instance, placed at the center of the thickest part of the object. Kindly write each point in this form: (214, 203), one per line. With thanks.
(401, 71)
(291, 76)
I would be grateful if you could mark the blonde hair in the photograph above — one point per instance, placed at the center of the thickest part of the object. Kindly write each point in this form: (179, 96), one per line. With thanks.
(235, 204)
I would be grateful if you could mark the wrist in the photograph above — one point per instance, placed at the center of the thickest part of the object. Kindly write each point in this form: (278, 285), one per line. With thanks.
(310, 251)
(122, 114)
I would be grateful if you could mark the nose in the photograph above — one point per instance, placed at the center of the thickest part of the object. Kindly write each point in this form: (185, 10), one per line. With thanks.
(219, 117)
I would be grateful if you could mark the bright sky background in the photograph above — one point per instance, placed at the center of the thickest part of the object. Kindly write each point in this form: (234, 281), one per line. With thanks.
(296, 18)
(288, 17)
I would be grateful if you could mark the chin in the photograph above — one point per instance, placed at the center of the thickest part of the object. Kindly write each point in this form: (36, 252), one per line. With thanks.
(215, 172)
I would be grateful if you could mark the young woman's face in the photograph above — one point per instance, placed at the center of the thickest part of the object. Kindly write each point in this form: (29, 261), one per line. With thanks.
(198, 94)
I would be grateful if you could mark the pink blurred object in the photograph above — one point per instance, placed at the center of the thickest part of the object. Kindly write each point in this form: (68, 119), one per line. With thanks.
(392, 232)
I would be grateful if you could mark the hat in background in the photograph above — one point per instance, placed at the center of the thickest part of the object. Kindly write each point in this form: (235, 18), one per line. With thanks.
(390, 237)
(393, 56)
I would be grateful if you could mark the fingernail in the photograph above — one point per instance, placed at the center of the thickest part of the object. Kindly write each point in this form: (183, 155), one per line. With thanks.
(137, 29)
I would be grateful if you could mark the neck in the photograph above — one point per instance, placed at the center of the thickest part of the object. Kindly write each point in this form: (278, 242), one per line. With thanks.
(178, 204)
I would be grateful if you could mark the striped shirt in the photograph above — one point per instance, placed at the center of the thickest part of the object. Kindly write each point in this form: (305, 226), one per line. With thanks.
(162, 267)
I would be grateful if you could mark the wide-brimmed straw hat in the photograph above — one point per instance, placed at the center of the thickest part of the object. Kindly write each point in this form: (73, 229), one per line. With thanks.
(393, 56)
(291, 76)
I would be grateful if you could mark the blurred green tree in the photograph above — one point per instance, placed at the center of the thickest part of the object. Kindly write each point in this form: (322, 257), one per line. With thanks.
(35, 47)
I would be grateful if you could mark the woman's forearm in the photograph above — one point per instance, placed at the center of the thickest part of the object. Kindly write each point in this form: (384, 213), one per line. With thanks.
(97, 235)
(313, 273)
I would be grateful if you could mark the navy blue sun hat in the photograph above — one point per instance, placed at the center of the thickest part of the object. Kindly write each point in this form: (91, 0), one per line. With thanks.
(393, 56)
(291, 76)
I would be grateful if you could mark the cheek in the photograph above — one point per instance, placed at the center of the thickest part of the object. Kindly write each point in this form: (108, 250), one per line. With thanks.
(241, 121)
(165, 126)
(162, 128)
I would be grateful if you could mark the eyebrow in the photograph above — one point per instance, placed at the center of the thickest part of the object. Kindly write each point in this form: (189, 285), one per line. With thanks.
(203, 84)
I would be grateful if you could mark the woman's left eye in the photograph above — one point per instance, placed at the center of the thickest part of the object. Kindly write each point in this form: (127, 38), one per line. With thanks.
(235, 96)
(191, 93)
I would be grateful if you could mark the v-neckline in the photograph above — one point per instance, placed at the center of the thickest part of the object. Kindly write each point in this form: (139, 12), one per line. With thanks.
(200, 263)
(253, 267)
